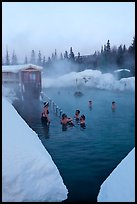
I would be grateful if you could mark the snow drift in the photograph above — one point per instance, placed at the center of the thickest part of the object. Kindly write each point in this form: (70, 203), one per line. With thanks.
(120, 185)
(28, 171)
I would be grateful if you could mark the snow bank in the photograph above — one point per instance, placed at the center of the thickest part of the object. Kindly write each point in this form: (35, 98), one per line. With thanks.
(9, 93)
(128, 83)
(90, 78)
(28, 171)
(120, 185)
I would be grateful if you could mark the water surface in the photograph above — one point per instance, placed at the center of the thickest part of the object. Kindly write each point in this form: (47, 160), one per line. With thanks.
(86, 157)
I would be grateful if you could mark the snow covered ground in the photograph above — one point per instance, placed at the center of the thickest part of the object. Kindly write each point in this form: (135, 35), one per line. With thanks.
(28, 171)
(120, 185)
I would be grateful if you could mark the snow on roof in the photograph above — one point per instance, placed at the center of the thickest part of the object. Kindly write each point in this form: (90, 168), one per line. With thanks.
(17, 68)
(119, 70)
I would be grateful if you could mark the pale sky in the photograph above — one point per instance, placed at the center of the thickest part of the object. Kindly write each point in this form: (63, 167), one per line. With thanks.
(84, 26)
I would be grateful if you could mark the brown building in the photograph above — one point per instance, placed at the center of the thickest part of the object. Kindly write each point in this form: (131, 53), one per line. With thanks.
(25, 80)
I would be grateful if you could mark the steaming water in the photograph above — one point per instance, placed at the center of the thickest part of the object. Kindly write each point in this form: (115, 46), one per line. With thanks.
(86, 157)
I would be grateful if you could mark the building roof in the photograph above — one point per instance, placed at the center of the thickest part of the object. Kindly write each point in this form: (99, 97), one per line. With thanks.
(17, 68)
(119, 70)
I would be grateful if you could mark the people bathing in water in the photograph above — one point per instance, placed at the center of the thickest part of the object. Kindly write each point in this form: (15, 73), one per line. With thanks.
(113, 105)
(45, 118)
(77, 113)
(82, 121)
(66, 121)
(90, 104)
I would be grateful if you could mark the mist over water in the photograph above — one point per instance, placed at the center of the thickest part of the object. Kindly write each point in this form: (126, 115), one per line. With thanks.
(89, 78)
(63, 76)
(60, 68)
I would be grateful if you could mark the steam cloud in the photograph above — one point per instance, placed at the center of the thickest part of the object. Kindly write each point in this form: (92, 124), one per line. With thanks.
(90, 78)
(62, 77)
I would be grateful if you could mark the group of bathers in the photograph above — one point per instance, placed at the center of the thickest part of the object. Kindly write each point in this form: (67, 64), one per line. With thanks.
(69, 121)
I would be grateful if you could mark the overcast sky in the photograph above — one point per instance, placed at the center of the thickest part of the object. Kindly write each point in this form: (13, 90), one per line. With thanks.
(84, 26)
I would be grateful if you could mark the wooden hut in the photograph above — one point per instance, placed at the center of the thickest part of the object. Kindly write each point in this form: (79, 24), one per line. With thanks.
(122, 73)
(24, 79)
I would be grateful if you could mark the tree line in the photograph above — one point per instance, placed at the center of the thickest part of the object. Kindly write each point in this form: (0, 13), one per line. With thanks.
(106, 60)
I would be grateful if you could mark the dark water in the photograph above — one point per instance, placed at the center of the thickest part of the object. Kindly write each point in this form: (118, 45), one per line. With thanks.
(86, 157)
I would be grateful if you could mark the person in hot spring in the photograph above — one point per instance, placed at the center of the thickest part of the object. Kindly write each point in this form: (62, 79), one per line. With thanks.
(77, 115)
(82, 121)
(113, 105)
(66, 121)
(45, 118)
(90, 104)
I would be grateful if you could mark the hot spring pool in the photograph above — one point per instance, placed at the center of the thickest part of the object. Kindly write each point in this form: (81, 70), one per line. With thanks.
(86, 157)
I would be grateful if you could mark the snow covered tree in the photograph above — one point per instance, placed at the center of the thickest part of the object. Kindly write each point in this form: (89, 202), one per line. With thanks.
(61, 56)
(7, 58)
(14, 59)
(39, 61)
(71, 55)
(119, 59)
(79, 58)
(131, 48)
(131, 60)
(3, 61)
(52, 57)
(108, 47)
(55, 55)
(26, 60)
(44, 62)
(105, 49)
(33, 58)
(49, 60)
(101, 49)
(124, 48)
(66, 55)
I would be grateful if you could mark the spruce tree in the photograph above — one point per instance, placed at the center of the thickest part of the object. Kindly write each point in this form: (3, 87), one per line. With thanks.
(101, 49)
(26, 60)
(39, 61)
(108, 47)
(124, 48)
(79, 58)
(61, 56)
(105, 49)
(71, 55)
(132, 47)
(14, 59)
(49, 60)
(3, 61)
(131, 51)
(33, 59)
(66, 55)
(7, 58)
(52, 57)
(44, 62)
(120, 56)
(55, 55)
